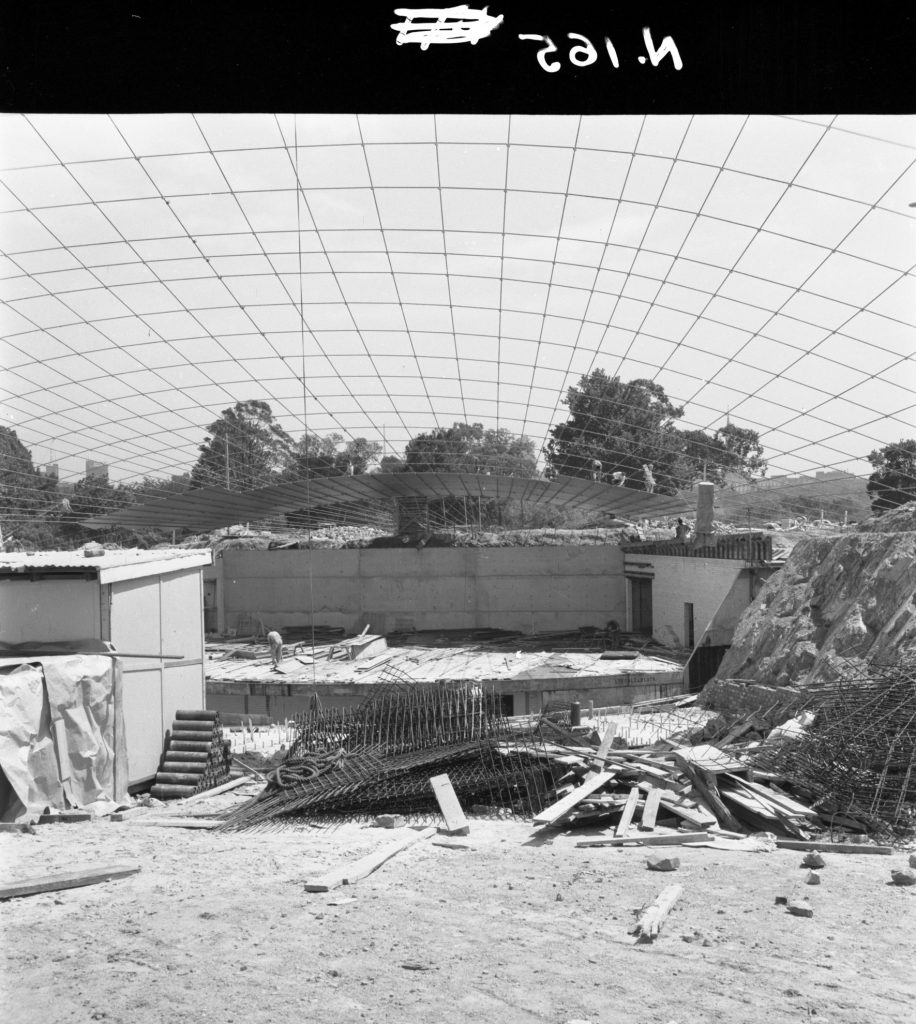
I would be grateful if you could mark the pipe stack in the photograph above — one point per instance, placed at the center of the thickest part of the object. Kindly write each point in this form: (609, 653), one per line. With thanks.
(196, 757)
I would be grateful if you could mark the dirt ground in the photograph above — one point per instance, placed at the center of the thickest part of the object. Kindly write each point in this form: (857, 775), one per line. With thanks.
(521, 925)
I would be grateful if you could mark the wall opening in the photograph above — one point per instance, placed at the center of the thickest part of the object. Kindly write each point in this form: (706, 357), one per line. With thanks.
(640, 605)
(689, 636)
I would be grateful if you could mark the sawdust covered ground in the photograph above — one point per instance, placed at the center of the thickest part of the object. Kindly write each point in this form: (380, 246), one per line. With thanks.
(217, 927)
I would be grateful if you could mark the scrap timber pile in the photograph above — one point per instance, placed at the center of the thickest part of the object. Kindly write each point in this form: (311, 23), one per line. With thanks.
(698, 787)
(380, 756)
(842, 755)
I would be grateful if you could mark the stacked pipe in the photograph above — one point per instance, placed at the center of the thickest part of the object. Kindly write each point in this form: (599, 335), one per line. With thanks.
(196, 757)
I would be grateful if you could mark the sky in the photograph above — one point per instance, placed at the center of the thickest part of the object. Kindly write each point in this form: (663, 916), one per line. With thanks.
(382, 275)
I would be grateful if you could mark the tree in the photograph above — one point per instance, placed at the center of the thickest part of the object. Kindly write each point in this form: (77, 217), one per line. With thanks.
(893, 482)
(392, 464)
(730, 450)
(617, 427)
(244, 449)
(469, 448)
(313, 456)
(29, 502)
(95, 496)
(359, 455)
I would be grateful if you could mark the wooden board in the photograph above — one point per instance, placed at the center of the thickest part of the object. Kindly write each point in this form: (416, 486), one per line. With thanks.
(624, 824)
(804, 844)
(699, 817)
(650, 810)
(456, 824)
(66, 880)
(678, 839)
(602, 752)
(173, 822)
(224, 788)
(556, 811)
(709, 758)
(779, 801)
(653, 917)
(365, 865)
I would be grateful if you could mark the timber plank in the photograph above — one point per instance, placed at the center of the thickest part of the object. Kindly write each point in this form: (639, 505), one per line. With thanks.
(349, 874)
(653, 917)
(675, 839)
(556, 811)
(66, 880)
(804, 844)
(175, 822)
(456, 823)
(650, 809)
(628, 810)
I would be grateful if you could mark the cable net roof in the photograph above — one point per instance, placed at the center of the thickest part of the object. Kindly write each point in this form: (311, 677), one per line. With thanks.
(380, 276)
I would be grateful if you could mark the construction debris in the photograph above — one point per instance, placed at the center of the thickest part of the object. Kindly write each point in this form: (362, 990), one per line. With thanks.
(813, 860)
(905, 876)
(662, 862)
(800, 907)
(379, 756)
(653, 916)
(390, 821)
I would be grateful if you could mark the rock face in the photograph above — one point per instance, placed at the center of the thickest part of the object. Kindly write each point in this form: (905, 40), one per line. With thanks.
(839, 602)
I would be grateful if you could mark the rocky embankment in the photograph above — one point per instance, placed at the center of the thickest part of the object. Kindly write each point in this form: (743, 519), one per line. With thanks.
(839, 603)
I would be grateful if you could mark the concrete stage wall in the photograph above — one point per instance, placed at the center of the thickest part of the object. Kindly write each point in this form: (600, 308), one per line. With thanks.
(391, 589)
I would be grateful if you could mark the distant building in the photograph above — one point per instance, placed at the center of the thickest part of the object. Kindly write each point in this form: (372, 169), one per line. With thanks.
(97, 470)
(52, 470)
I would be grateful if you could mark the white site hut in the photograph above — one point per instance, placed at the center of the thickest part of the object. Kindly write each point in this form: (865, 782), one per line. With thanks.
(72, 711)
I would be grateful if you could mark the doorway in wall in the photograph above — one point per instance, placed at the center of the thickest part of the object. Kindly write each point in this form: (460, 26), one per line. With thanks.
(689, 640)
(703, 665)
(640, 605)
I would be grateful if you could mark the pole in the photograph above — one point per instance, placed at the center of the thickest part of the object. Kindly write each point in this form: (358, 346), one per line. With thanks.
(226, 440)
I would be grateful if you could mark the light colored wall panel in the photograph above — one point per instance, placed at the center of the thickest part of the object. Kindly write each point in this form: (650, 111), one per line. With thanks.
(49, 610)
(699, 581)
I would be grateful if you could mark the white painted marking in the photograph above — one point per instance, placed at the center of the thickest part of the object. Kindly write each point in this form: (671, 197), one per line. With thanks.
(428, 25)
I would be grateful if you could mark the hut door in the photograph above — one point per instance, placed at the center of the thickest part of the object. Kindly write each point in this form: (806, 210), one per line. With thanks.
(641, 606)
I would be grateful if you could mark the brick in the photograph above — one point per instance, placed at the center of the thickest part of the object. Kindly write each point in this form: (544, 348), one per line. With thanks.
(390, 821)
(801, 908)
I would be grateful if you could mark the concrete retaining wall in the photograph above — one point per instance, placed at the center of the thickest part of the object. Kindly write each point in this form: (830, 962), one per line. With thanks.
(528, 589)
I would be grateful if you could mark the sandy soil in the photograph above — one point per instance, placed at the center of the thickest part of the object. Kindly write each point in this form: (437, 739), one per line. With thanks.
(519, 926)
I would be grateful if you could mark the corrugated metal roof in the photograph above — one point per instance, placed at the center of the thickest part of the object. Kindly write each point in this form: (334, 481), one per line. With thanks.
(111, 565)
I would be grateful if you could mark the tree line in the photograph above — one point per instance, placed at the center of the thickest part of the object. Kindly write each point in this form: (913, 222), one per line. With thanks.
(621, 432)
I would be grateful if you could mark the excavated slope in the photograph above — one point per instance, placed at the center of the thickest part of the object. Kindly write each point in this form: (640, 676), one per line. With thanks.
(845, 598)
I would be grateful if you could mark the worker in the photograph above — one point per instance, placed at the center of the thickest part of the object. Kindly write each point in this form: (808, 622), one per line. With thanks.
(596, 469)
(276, 647)
(618, 479)
(681, 530)
(649, 478)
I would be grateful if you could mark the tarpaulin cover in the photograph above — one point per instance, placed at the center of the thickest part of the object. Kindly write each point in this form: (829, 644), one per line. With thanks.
(61, 735)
